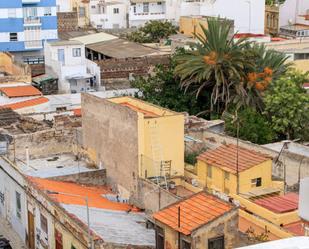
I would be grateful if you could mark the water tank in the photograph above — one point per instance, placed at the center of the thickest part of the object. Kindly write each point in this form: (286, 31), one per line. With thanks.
(303, 209)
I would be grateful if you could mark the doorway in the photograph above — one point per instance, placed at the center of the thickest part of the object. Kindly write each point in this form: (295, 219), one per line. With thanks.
(31, 238)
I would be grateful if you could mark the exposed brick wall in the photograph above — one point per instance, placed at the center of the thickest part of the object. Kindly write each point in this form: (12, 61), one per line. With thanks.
(122, 68)
(67, 21)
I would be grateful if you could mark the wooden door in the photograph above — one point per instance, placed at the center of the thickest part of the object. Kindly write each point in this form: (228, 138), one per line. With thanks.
(58, 237)
(31, 230)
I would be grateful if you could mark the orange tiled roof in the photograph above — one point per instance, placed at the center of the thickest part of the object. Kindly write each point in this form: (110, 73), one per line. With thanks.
(26, 103)
(296, 228)
(147, 114)
(225, 157)
(20, 91)
(195, 211)
(95, 198)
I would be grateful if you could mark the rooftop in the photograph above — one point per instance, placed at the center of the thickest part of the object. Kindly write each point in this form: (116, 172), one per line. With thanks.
(293, 147)
(296, 27)
(279, 204)
(296, 228)
(289, 243)
(195, 211)
(94, 38)
(225, 157)
(53, 166)
(20, 91)
(65, 43)
(145, 108)
(119, 48)
(26, 103)
(113, 221)
(292, 45)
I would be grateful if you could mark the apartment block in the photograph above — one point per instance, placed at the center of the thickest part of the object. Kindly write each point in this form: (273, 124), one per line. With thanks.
(26, 24)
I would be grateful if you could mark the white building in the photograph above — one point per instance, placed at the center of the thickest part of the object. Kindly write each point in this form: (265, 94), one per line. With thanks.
(108, 14)
(248, 15)
(66, 61)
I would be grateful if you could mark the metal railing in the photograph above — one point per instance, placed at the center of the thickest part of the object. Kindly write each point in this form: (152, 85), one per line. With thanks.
(33, 20)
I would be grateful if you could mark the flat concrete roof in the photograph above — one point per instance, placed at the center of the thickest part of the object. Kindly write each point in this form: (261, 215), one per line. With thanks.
(53, 165)
(120, 49)
(65, 43)
(94, 38)
(295, 148)
(119, 227)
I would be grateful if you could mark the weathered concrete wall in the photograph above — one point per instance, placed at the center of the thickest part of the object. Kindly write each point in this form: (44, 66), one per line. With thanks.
(97, 177)
(67, 21)
(295, 165)
(226, 225)
(151, 197)
(110, 137)
(37, 69)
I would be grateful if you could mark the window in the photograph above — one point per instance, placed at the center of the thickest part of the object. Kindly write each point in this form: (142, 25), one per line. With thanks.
(216, 243)
(61, 55)
(92, 6)
(256, 182)
(13, 37)
(226, 175)
(185, 244)
(73, 247)
(47, 11)
(134, 9)
(44, 225)
(159, 238)
(159, 3)
(145, 7)
(30, 12)
(18, 205)
(209, 171)
(116, 10)
(76, 52)
(11, 13)
(82, 11)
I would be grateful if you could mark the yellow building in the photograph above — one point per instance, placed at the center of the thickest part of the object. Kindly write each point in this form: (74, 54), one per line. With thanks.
(271, 20)
(82, 9)
(160, 138)
(217, 169)
(191, 25)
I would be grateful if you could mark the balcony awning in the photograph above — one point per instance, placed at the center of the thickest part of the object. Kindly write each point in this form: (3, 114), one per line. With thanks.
(147, 1)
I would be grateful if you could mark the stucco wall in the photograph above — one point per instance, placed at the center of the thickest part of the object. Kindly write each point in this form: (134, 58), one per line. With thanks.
(110, 136)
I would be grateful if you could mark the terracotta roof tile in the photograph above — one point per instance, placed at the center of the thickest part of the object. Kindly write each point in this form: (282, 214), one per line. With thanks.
(279, 204)
(195, 211)
(225, 157)
(26, 103)
(296, 228)
(20, 91)
(95, 198)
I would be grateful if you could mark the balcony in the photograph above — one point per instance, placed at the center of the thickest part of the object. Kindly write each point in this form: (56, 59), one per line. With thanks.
(147, 16)
(35, 44)
(30, 1)
(32, 21)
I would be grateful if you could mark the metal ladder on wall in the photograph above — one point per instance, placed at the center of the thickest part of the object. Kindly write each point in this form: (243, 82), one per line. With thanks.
(157, 152)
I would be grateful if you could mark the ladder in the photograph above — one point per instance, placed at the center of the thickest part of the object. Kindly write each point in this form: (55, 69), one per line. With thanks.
(157, 152)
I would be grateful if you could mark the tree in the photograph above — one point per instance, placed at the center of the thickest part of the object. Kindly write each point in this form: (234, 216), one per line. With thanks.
(234, 71)
(163, 88)
(153, 32)
(287, 106)
(254, 127)
(215, 64)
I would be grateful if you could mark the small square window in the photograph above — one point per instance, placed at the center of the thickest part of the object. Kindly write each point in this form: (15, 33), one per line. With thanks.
(44, 225)
(209, 171)
(82, 12)
(92, 6)
(116, 10)
(216, 243)
(256, 182)
(18, 205)
(226, 175)
(13, 37)
(47, 11)
(76, 52)
(185, 244)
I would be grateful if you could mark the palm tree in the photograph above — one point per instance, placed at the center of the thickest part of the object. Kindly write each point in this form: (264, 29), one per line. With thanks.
(216, 63)
(236, 72)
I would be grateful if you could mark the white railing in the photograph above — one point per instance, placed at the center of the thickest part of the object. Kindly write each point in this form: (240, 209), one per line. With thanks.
(30, 1)
(35, 20)
(33, 44)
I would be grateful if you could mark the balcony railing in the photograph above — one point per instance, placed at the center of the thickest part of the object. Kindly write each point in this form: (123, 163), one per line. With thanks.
(32, 21)
(35, 44)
